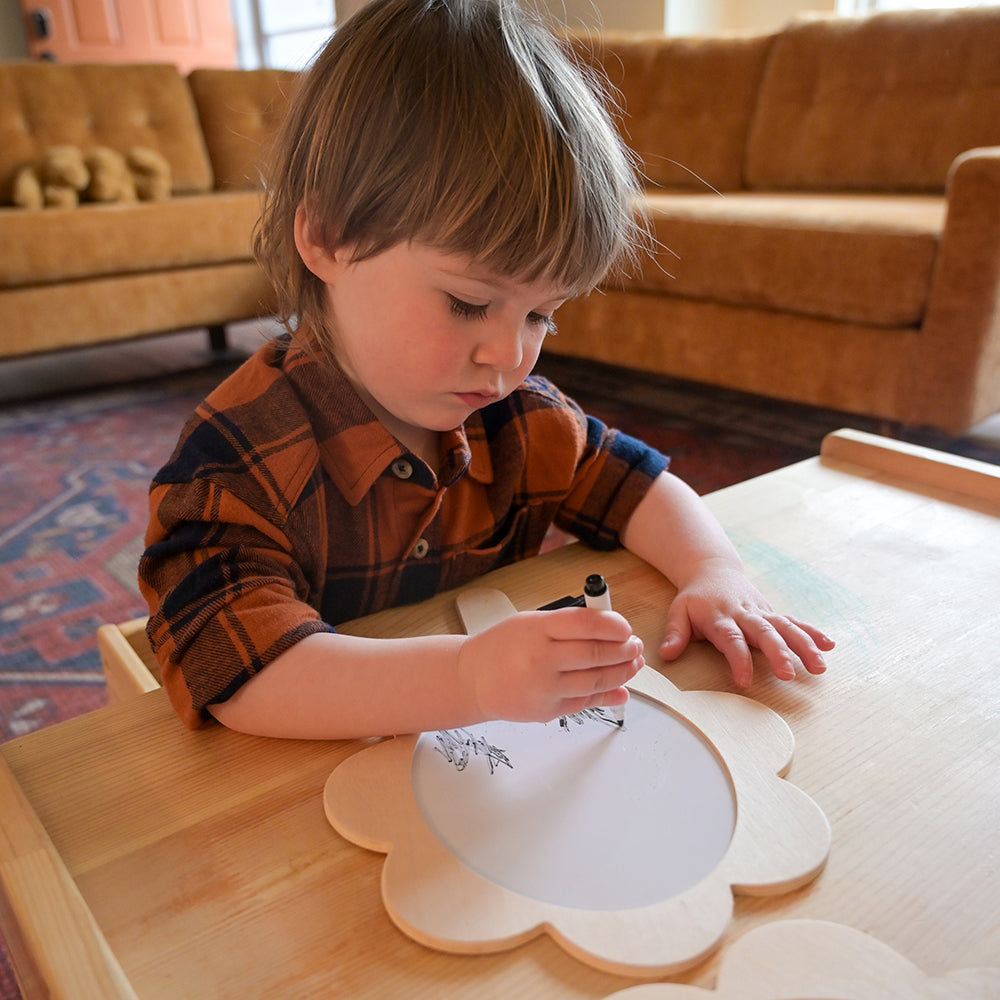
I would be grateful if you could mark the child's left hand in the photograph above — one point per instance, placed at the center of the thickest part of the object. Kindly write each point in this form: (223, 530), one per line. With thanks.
(721, 605)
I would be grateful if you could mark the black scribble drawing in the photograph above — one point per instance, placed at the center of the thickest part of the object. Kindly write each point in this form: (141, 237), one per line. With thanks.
(587, 715)
(459, 746)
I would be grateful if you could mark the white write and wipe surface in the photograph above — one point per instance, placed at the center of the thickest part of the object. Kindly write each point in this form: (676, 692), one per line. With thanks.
(579, 812)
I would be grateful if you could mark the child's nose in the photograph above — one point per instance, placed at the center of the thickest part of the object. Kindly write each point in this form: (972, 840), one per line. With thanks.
(502, 348)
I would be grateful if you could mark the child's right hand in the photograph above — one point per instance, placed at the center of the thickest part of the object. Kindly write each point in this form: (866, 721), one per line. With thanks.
(538, 665)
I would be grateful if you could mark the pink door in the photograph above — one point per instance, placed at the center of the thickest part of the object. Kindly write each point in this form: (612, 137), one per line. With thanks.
(188, 33)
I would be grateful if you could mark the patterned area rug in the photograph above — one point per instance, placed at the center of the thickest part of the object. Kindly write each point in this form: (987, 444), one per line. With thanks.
(74, 471)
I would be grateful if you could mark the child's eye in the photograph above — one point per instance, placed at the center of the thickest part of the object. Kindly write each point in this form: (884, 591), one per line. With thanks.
(474, 310)
(467, 310)
(546, 322)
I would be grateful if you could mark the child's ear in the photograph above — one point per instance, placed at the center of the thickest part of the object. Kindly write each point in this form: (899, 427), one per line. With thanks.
(324, 263)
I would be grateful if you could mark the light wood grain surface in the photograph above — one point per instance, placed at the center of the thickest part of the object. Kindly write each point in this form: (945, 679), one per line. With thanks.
(205, 862)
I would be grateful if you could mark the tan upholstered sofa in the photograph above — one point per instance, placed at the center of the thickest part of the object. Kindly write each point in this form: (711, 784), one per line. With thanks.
(851, 257)
(104, 272)
(827, 198)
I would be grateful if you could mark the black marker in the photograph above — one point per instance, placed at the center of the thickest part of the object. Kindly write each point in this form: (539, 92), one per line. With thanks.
(597, 595)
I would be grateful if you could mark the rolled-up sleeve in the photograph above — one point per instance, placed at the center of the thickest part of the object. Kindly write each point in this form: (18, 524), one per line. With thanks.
(226, 596)
(614, 473)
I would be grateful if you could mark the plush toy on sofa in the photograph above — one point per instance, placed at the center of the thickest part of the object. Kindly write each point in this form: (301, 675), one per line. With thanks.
(110, 176)
(63, 177)
(56, 180)
(151, 172)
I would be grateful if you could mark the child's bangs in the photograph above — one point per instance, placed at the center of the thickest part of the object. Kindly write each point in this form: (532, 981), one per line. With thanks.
(523, 224)
(534, 192)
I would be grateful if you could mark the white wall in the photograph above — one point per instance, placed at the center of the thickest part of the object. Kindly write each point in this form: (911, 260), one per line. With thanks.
(696, 17)
(677, 17)
(700, 17)
(682, 17)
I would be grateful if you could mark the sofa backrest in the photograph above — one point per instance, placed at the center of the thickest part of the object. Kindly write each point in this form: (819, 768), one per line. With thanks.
(884, 102)
(687, 102)
(240, 111)
(88, 105)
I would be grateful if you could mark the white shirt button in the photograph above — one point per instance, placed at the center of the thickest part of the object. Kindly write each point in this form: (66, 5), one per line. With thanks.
(421, 548)
(402, 469)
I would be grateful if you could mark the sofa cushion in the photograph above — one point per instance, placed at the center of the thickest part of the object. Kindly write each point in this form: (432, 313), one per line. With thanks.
(853, 258)
(687, 102)
(39, 318)
(46, 104)
(94, 240)
(240, 111)
(877, 103)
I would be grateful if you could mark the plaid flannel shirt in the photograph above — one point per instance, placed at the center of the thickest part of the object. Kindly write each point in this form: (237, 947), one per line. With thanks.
(287, 508)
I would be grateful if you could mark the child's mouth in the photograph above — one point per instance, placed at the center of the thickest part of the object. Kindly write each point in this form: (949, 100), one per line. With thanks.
(477, 400)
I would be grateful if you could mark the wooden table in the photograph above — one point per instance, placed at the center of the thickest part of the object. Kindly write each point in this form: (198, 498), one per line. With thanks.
(139, 859)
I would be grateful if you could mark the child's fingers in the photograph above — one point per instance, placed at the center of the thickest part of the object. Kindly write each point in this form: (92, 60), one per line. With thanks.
(676, 633)
(586, 640)
(818, 637)
(805, 641)
(584, 683)
(593, 654)
(769, 635)
(784, 641)
(567, 624)
(731, 640)
(581, 655)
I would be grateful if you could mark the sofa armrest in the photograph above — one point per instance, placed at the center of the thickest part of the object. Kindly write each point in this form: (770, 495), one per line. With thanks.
(960, 337)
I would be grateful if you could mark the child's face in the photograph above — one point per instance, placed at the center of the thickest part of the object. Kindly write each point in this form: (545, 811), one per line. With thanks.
(427, 337)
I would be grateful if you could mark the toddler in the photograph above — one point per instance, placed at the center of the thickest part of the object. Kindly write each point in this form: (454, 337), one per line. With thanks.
(446, 177)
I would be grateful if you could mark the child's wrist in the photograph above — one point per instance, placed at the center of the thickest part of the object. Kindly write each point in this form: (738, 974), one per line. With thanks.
(467, 681)
(717, 564)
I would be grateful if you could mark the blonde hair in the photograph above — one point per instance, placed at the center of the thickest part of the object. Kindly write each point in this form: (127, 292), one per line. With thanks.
(461, 124)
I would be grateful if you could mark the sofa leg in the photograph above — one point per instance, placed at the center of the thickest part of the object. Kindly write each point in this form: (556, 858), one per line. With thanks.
(217, 341)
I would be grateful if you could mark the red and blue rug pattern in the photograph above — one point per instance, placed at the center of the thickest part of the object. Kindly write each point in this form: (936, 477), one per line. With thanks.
(74, 474)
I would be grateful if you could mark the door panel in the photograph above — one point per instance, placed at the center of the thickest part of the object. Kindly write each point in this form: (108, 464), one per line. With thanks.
(95, 22)
(188, 33)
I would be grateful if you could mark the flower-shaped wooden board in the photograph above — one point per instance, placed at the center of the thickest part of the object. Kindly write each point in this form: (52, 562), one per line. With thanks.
(624, 844)
(791, 959)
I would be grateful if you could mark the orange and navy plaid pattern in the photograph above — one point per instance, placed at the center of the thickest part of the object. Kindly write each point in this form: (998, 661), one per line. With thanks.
(287, 508)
